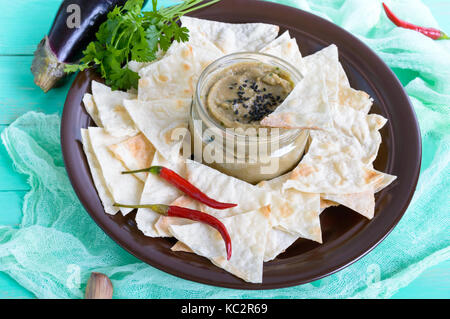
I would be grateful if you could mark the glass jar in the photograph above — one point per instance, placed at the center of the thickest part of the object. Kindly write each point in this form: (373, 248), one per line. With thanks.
(251, 155)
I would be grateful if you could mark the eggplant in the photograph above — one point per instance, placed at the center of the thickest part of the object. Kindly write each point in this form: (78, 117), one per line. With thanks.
(73, 29)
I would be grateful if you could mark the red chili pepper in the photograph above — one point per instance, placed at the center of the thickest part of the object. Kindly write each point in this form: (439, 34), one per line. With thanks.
(183, 185)
(433, 33)
(195, 215)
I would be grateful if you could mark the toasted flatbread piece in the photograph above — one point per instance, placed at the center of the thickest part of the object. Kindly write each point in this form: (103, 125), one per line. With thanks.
(277, 241)
(248, 237)
(163, 222)
(179, 246)
(91, 108)
(210, 181)
(362, 127)
(97, 176)
(157, 191)
(125, 189)
(230, 37)
(163, 122)
(314, 100)
(111, 112)
(385, 182)
(359, 100)
(324, 204)
(362, 203)
(287, 49)
(336, 174)
(226, 189)
(293, 211)
(306, 107)
(135, 153)
(327, 61)
(176, 74)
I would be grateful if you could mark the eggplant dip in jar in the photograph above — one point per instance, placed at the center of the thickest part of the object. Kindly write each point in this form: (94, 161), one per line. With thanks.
(233, 95)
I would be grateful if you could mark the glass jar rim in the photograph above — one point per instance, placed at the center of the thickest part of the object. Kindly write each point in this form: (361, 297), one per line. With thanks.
(289, 68)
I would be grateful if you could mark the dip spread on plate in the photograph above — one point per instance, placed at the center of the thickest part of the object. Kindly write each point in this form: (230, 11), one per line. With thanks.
(242, 94)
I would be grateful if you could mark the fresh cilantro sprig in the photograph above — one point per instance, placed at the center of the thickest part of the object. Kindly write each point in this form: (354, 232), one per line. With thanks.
(130, 34)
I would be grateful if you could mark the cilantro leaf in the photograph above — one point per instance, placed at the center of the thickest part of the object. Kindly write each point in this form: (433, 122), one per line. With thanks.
(130, 34)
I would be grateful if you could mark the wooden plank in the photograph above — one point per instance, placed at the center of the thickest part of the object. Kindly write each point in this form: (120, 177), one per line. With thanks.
(441, 12)
(10, 289)
(24, 23)
(19, 94)
(10, 180)
(431, 284)
(11, 214)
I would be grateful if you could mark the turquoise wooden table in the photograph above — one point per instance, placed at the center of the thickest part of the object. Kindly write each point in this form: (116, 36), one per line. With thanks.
(23, 24)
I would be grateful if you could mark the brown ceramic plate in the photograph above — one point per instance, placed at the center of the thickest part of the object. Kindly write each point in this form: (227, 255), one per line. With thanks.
(347, 236)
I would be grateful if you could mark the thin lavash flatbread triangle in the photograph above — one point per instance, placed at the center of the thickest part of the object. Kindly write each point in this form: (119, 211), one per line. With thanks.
(313, 101)
(343, 79)
(176, 74)
(125, 189)
(277, 241)
(135, 153)
(338, 161)
(278, 41)
(361, 126)
(362, 203)
(91, 108)
(326, 60)
(287, 49)
(163, 122)
(306, 107)
(293, 211)
(163, 222)
(233, 37)
(324, 204)
(356, 99)
(248, 237)
(214, 184)
(385, 182)
(97, 176)
(113, 116)
(180, 246)
(157, 191)
(336, 174)
(226, 189)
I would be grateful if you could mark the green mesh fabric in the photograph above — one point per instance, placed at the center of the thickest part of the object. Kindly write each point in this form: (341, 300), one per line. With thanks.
(57, 244)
